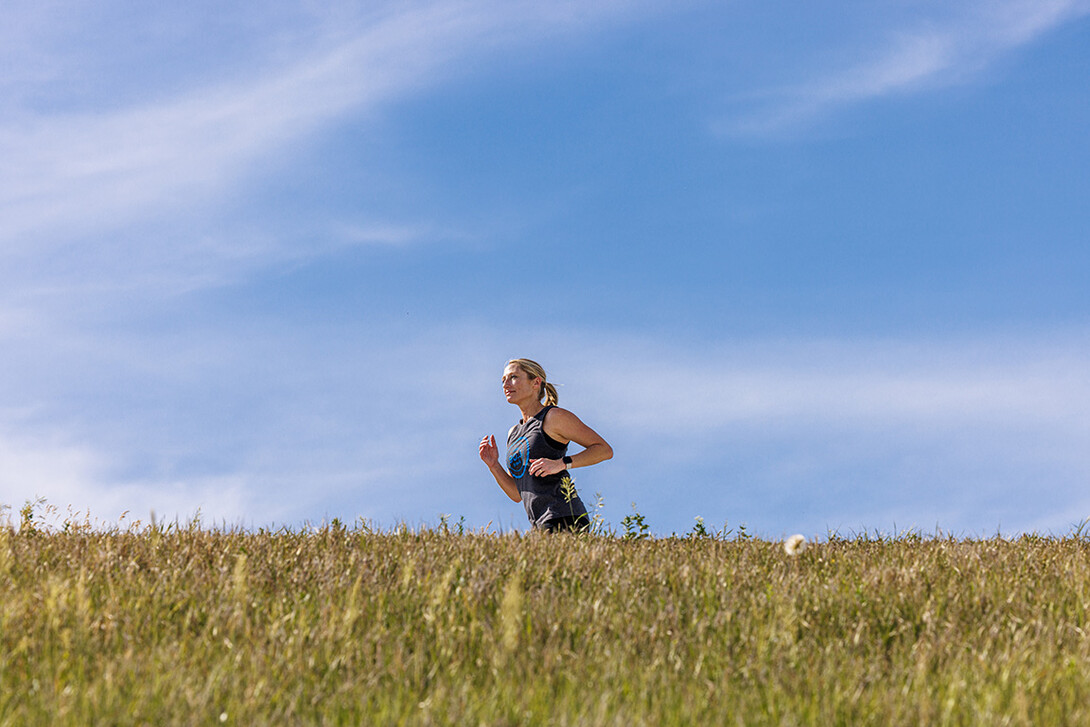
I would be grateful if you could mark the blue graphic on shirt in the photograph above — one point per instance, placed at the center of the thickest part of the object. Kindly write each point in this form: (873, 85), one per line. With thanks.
(518, 456)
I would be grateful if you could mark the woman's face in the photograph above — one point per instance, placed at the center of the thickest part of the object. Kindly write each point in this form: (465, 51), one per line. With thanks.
(518, 386)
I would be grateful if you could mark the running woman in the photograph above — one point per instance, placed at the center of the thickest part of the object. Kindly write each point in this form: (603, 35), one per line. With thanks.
(537, 473)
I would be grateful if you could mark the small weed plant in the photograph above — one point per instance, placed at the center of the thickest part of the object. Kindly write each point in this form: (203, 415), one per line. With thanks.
(567, 488)
(699, 531)
(635, 526)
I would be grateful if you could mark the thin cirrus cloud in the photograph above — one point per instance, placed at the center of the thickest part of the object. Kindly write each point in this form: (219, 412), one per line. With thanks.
(967, 436)
(1016, 383)
(246, 428)
(930, 52)
(69, 173)
(989, 404)
(104, 169)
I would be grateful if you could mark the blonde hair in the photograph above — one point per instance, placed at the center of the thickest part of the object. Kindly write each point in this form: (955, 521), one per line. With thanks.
(534, 370)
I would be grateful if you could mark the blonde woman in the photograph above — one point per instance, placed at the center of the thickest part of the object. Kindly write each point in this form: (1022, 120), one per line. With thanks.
(537, 473)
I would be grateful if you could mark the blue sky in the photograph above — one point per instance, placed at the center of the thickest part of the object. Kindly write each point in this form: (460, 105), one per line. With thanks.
(811, 269)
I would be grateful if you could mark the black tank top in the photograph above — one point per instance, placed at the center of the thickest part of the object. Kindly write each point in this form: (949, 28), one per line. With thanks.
(543, 497)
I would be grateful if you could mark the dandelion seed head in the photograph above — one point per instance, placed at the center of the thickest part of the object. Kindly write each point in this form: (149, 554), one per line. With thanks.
(794, 545)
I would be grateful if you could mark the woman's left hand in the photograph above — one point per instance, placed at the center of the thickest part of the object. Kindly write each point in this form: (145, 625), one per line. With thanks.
(545, 467)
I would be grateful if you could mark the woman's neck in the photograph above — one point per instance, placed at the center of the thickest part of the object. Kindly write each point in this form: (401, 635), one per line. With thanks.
(531, 409)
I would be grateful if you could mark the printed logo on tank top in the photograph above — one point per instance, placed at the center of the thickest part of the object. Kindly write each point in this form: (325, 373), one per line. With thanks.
(518, 456)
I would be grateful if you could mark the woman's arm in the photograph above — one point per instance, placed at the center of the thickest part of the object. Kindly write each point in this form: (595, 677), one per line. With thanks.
(490, 455)
(563, 426)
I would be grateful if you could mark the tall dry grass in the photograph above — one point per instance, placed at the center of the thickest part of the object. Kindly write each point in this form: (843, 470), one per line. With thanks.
(189, 625)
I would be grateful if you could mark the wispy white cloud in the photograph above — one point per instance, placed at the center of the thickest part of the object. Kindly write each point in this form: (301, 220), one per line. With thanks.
(977, 433)
(948, 45)
(277, 425)
(104, 169)
(32, 465)
(846, 387)
(51, 465)
(73, 177)
(1013, 401)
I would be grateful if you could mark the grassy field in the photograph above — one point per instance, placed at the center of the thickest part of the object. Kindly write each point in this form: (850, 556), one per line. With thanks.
(189, 625)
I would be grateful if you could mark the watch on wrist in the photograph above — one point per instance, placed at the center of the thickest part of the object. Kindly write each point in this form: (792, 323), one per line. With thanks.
(567, 461)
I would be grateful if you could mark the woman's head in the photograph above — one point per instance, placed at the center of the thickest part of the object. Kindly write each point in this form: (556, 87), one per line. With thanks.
(534, 371)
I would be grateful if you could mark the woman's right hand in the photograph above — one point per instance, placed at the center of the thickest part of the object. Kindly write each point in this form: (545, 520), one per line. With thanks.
(490, 453)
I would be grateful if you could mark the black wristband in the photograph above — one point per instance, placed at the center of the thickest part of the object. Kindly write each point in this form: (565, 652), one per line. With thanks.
(567, 461)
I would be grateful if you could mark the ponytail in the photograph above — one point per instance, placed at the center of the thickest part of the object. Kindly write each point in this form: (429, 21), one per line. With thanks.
(551, 397)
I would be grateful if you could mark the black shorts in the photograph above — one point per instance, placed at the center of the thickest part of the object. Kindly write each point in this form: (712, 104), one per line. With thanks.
(566, 524)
